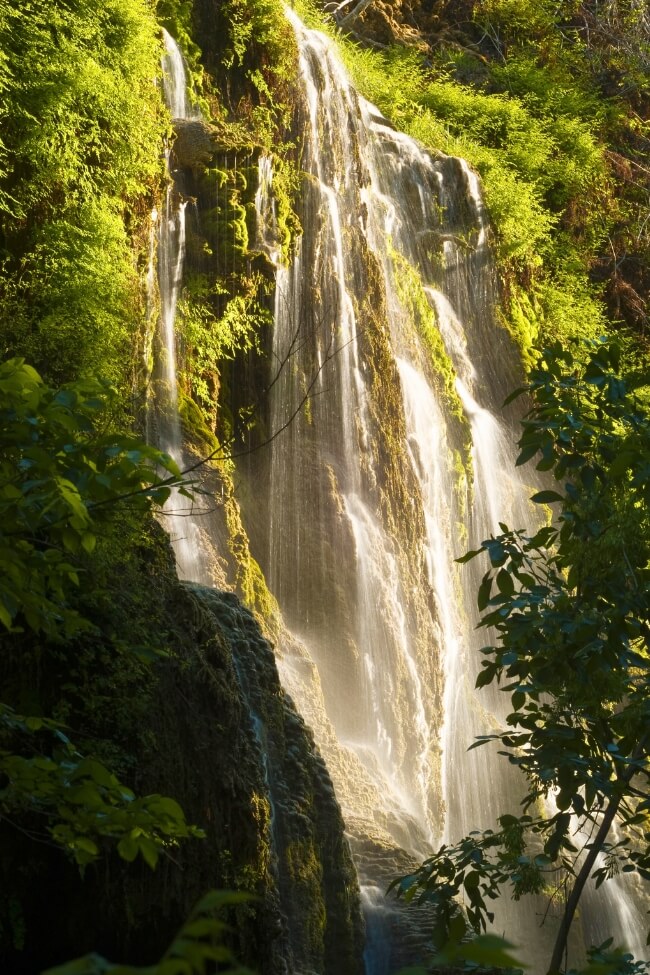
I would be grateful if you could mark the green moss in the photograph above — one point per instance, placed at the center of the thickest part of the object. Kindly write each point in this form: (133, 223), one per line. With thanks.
(522, 322)
(306, 873)
(250, 580)
(287, 180)
(464, 482)
(419, 312)
(195, 429)
(213, 327)
(554, 308)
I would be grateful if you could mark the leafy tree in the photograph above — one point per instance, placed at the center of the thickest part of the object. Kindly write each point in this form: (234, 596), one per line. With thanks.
(570, 607)
(59, 474)
(81, 124)
(62, 475)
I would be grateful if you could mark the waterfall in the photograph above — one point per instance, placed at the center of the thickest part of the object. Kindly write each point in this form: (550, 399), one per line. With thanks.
(388, 373)
(163, 420)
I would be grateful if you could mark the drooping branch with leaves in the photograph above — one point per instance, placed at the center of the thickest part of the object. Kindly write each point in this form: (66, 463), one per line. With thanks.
(568, 612)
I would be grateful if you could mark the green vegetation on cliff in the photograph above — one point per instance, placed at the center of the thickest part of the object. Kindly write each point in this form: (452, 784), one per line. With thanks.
(81, 127)
(98, 634)
(534, 96)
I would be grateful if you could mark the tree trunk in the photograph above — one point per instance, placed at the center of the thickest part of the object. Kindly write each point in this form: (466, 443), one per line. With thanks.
(596, 846)
(354, 13)
(574, 897)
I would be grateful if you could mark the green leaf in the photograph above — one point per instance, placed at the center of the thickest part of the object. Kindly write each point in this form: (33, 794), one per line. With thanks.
(149, 851)
(88, 542)
(88, 965)
(486, 951)
(128, 848)
(202, 928)
(5, 616)
(471, 880)
(484, 591)
(166, 806)
(458, 925)
(515, 395)
(486, 675)
(546, 497)
(525, 454)
(518, 700)
(87, 845)
(469, 555)
(505, 582)
(490, 951)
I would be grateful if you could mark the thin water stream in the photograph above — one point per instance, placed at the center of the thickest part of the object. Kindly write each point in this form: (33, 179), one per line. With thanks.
(163, 421)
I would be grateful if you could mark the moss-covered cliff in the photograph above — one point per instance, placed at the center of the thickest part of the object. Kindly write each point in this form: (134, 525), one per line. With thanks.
(209, 726)
(532, 95)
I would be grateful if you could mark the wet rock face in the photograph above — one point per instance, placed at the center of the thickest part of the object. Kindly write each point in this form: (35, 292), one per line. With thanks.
(416, 23)
(195, 144)
(310, 867)
(386, 22)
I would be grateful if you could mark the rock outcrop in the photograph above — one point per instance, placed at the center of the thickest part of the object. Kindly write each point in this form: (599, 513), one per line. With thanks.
(209, 726)
(309, 863)
(195, 143)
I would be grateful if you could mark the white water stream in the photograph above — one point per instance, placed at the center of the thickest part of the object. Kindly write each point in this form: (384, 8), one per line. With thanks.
(171, 227)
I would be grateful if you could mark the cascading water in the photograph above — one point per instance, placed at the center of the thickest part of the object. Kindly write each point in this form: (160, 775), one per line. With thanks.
(325, 493)
(164, 403)
(390, 374)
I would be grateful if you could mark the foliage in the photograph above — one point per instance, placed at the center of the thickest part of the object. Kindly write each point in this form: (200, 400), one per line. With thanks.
(533, 96)
(542, 166)
(77, 280)
(80, 800)
(58, 473)
(488, 952)
(570, 607)
(59, 476)
(81, 140)
(259, 40)
(208, 340)
(194, 951)
(251, 52)
(533, 161)
(609, 41)
(85, 122)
